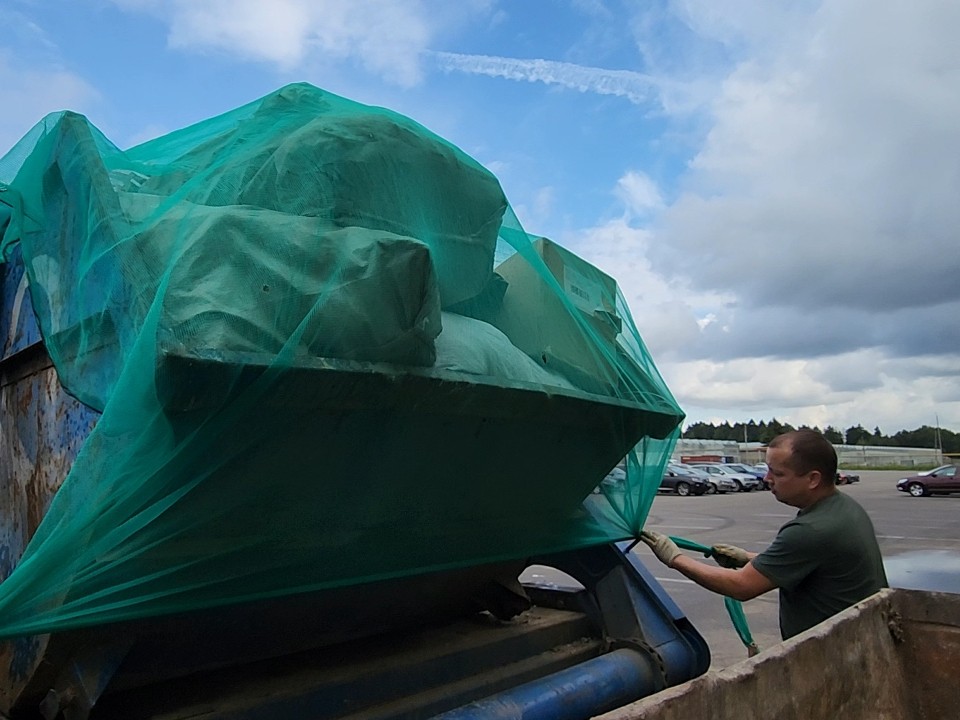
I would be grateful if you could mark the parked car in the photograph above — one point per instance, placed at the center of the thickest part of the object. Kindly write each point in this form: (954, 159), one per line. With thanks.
(744, 468)
(943, 480)
(616, 478)
(762, 467)
(744, 481)
(845, 477)
(718, 483)
(761, 475)
(683, 483)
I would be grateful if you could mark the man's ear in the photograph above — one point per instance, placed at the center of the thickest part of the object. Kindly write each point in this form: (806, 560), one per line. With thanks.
(816, 479)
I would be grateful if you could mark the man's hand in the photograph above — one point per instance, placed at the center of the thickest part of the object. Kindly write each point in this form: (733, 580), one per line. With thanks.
(730, 556)
(663, 547)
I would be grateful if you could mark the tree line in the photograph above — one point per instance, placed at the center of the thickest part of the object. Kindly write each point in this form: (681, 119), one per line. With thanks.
(764, 432)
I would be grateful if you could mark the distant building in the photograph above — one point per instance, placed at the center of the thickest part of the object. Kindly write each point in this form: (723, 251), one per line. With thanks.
(880, 456)
(847, 455)
(707, 451)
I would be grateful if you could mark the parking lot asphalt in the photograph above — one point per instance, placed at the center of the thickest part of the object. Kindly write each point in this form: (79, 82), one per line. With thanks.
(919, 539)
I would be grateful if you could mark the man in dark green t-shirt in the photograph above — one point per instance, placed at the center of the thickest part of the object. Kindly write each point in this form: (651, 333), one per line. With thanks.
(823, 561)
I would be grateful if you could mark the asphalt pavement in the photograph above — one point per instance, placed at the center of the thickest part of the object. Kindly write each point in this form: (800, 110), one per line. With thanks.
(919, 539)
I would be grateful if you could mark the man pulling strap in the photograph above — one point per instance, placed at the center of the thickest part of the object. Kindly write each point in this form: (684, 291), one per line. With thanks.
(823, 561)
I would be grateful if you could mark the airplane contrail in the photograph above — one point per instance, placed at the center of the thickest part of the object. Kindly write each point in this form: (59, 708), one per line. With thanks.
(635, 87)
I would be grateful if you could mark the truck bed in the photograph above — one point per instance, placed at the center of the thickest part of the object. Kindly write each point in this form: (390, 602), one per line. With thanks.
(413, 674)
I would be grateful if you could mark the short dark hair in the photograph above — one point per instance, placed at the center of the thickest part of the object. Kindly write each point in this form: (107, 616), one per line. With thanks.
(809, 451)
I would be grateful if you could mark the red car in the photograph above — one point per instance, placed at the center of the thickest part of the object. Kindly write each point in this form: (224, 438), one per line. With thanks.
(941, 481)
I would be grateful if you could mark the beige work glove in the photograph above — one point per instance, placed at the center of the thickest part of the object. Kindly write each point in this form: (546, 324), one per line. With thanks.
(663, 547)
(730, 556)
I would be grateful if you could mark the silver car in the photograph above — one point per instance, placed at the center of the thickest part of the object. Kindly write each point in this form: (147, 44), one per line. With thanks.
(718, 483)
(744, 482)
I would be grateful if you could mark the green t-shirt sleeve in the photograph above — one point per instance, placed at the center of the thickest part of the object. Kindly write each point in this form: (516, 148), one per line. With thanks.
(790, 558)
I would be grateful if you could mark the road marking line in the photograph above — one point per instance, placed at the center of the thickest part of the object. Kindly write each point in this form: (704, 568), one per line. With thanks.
(675, 580)
(684, 527)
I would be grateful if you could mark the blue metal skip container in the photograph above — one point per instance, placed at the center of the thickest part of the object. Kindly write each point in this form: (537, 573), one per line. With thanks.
(614, 637)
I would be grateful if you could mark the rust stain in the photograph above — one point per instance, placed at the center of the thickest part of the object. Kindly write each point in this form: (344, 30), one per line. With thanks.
(25, 399)
(35, 507)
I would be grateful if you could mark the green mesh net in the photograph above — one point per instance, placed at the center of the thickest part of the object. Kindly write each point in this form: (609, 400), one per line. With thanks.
(325, 353)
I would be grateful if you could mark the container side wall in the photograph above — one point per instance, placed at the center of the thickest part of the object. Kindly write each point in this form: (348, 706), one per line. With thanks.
(41, 431)
(850, 666)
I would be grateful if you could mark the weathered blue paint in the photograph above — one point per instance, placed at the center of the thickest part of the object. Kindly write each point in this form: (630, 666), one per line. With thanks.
(41, 431)
(18, 324)
(587, 689)
(25, 652)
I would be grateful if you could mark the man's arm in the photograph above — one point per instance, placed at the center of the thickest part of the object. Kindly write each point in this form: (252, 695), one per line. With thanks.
(743, 584)
(731, 556)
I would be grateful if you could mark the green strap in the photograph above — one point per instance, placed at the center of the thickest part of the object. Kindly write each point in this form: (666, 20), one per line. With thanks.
(734, 607)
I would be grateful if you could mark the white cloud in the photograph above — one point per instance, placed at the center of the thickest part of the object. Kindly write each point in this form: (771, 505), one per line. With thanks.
(386, 37)
(31, 91)
(795, 391)
(738, 24)
(830, 173)
(666, 312)
(277, 31)
(821, 213)
(538, 212)
(639, 194)
(817, 224)
(621, 251)
(750, 384)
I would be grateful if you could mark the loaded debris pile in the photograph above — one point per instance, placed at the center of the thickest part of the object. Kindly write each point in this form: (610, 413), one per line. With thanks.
(325, 352)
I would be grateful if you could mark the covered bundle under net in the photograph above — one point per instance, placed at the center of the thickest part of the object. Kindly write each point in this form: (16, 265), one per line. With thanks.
(325, 353)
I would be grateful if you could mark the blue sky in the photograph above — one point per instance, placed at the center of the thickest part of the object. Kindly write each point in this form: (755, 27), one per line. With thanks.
(774, 185)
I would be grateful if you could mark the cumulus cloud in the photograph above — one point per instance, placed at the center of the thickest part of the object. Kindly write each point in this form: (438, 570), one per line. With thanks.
(749, 383)
(829, 174)
(817, 221)
(812, 393)
(666, 312)
(385, 37)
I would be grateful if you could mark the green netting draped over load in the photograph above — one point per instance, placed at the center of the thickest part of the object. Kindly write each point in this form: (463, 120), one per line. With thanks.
(325, 353)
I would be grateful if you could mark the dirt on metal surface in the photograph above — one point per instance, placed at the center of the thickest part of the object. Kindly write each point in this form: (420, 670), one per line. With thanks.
(40, 436)
(892, 657)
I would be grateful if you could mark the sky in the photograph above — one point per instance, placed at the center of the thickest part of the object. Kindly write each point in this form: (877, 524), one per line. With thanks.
(775, 186)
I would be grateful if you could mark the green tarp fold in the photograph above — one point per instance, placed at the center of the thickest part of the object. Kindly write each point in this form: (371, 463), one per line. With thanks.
(325, 352)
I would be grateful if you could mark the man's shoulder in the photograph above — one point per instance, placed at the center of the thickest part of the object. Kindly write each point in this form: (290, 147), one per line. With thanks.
(835, 502)
(831, 512)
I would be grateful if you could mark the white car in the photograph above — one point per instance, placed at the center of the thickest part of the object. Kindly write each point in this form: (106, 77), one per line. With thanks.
(718, 483)
(744, 482)
(745, 469)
